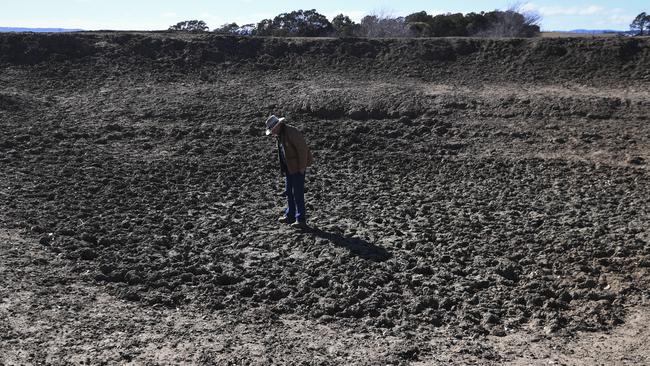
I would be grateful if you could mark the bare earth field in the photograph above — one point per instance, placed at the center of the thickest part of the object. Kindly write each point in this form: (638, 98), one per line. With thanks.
(472, 202)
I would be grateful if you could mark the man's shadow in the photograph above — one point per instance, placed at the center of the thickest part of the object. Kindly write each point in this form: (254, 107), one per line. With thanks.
(356, 246)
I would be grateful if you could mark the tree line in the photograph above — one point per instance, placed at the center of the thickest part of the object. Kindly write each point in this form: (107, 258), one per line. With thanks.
(309, 23)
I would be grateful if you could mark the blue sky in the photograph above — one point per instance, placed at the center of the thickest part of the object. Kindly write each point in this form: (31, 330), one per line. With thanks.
(160, 14)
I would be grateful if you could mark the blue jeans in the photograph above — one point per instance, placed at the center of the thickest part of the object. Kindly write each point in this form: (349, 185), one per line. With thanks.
(295, 190)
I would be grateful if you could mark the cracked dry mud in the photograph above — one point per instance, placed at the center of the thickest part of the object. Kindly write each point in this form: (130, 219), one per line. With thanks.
(472, 201)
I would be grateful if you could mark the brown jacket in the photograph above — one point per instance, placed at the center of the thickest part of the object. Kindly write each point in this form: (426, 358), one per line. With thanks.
(296, 152)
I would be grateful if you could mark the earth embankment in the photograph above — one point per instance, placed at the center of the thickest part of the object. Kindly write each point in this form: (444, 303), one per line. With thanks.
(604, 60)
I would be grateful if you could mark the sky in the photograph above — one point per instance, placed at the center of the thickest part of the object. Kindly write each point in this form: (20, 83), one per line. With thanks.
(160, 14)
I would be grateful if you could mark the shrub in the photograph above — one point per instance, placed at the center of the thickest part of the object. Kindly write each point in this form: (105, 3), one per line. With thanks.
(510, 23)
(233, 28)
(344, 26)
(190, 26)
(228, 28)
(300, 23)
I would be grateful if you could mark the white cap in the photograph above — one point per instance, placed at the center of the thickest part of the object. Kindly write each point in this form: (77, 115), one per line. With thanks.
(271, 122)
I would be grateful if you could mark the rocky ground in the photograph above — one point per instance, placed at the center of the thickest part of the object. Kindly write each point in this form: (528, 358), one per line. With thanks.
(472, 201)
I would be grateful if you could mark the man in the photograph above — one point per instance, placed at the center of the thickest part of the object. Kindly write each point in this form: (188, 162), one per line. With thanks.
(295, 157)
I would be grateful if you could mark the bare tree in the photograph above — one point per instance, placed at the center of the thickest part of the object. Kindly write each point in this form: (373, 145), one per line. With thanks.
(513, 22)
(383, 24)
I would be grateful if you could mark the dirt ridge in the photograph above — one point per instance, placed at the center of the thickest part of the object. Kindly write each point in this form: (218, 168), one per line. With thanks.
(591, 60)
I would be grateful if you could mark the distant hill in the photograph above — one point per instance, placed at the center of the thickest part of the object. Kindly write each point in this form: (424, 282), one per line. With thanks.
(586, 33)
(38, 30)
(595, 31)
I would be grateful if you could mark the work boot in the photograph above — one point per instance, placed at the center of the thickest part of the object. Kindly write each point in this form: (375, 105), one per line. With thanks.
(286, 220)
(299, 225)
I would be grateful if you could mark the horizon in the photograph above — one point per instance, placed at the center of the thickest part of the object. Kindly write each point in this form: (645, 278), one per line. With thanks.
(146, 15)
(61, 30)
